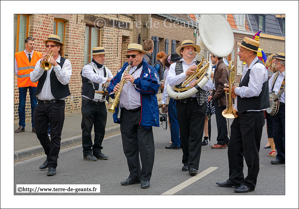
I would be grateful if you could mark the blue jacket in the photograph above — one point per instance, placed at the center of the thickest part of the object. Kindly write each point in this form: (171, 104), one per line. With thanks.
(147, 85)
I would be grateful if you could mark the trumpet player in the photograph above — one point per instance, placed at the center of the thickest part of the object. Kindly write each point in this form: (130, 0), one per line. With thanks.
(191, 111)
(94, 113)
(51, 92)
(252, 99)
(138, 111)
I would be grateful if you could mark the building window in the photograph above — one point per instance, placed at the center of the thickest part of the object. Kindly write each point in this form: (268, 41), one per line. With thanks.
(173, 46)
(92, 39)
(240, 21)
(59, 29)
(21, 24)
(282, 25)
(261, 21)
(156, 49)
(166, 46)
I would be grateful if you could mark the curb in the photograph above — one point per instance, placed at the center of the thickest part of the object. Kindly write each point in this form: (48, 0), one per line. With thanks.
(36, 151)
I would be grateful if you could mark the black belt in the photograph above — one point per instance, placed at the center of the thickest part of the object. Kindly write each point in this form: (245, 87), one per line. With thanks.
(134, 110)
(281, 103)
(50, 101)
(188, 99)
(92, 101)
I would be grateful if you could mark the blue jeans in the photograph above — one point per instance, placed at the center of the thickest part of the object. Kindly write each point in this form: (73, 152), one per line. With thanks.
(174, 123)
(22, 104)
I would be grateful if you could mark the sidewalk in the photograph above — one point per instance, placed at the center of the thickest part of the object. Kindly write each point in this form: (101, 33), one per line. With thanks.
(26, 144)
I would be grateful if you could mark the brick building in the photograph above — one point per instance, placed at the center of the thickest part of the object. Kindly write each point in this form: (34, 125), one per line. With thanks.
(81, 32)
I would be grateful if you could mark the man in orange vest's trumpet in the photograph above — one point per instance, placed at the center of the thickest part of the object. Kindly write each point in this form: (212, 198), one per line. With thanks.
(24, 64)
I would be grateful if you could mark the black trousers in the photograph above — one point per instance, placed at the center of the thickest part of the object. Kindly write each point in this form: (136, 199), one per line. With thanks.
(222, 137)
(191, 118)
(93, 114)
(279, 132)
(137, 140)
(44, 114)
(246, 134)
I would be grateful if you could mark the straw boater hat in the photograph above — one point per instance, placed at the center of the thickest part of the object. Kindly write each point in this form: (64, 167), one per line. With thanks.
(187, 43)
(279, 56)
(250, 44)
(54, 38)
(98, 50)
(135, 47)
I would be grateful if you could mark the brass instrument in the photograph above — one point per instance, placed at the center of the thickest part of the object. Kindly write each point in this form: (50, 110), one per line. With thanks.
(46, 65)
(117, 94)
(198, 74)
(230, 112)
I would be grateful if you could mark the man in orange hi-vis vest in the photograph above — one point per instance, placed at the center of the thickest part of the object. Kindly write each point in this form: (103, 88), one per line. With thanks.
(24, 64)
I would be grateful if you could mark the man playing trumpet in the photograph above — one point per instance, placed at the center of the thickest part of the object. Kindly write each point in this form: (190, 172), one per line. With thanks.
(51, 92)
(94, 112)
(139, 112)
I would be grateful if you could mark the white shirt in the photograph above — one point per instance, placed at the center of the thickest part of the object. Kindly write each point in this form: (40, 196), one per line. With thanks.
(16, 64)
(129, 97)
(165, 95)
(98, 77)
(174, 79)
(63, 76)
(258, 75)
(277, 85)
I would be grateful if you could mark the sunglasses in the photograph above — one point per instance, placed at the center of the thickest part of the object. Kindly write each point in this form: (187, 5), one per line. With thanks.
(50, 46)
(132, 55)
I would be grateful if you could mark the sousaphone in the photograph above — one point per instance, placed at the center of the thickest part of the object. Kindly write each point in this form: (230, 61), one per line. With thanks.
(216, 37)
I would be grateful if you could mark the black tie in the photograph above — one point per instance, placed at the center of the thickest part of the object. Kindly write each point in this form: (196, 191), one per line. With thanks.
(29, 58)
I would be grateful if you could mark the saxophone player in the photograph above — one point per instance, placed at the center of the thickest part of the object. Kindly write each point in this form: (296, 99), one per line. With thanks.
(94, 113)
(137, 112)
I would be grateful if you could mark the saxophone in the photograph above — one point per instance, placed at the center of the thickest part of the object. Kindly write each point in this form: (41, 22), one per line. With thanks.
(117, 94)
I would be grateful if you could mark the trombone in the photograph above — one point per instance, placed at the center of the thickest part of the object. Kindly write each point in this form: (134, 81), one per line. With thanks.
(46, 65)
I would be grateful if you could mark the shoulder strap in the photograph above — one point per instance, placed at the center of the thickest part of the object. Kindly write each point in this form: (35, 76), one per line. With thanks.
(274, 80)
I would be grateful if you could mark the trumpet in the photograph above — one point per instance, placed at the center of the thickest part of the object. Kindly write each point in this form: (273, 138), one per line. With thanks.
(230, 112)
(117, 94)
(46, 65)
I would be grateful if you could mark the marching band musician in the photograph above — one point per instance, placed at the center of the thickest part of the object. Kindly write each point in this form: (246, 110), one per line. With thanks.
(279, 119)
(252, 99)
(138, 113)
(191, 111)
(94, 112)
(51, 91)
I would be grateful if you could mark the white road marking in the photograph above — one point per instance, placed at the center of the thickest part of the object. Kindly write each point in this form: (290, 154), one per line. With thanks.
(189, 181)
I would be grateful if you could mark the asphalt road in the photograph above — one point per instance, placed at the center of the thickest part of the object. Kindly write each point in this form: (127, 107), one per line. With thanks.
(167, 178)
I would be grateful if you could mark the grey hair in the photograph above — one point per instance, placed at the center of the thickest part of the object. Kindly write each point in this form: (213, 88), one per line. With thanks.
(29, 39)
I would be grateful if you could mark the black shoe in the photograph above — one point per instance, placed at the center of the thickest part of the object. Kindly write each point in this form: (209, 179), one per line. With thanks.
(172, 147)
(227, 183)
(185, 168)
(101, 156)
(51, 171)
(20, 129)
(129, 181)
(44, 165)
(205, 141)
(90, 158)
(277, 162)
(243, 189)
(192, 172)
(145, 184)
(33, 130)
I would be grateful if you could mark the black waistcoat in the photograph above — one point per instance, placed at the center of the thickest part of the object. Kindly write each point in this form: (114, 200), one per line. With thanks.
(87, 87)
(58, 90)
(253, 103)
